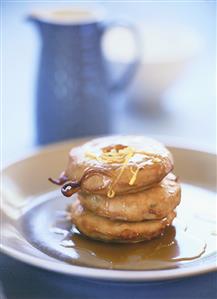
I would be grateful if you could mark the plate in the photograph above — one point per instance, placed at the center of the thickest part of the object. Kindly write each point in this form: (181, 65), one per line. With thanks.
(31, 206)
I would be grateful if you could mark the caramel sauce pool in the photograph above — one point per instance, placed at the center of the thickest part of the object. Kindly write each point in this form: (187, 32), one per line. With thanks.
(165, 251)
(190, 239)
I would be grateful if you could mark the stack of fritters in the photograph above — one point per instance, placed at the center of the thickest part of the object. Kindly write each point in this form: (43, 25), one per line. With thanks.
(126, 191)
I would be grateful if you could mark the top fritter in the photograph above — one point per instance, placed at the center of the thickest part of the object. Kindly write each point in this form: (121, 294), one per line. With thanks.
(115, 165)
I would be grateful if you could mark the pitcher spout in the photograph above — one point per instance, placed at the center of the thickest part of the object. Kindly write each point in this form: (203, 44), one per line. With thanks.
(32, 17)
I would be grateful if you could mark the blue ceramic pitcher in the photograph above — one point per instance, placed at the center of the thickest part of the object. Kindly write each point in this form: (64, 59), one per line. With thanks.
(74, 88)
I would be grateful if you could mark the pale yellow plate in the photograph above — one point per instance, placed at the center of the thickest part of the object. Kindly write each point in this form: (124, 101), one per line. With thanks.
(25, 186)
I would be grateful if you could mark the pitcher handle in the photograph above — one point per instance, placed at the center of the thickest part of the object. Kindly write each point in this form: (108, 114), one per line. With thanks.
(130, 70)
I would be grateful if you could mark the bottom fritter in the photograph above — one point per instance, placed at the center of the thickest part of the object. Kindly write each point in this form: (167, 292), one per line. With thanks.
(100, 228)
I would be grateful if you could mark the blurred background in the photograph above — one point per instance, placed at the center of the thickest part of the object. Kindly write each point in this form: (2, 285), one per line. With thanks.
(169, 90)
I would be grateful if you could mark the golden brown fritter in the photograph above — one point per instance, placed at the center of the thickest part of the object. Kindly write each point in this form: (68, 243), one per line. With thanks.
(154, 203)
(101, 228)
(118, 165)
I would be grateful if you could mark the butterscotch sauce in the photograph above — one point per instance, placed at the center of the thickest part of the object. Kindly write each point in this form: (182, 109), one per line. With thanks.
(47, 226)
(174, 246)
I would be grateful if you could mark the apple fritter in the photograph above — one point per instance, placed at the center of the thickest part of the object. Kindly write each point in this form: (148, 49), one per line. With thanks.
(104, 229)
(154, 203)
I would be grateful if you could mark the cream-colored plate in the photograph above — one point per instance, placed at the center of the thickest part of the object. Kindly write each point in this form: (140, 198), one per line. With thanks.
(25, 186)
